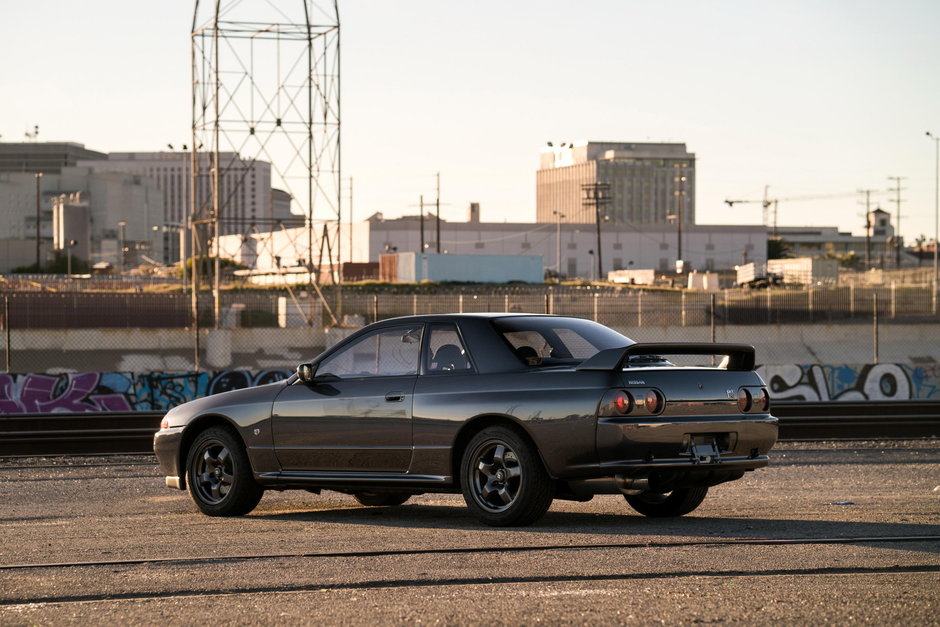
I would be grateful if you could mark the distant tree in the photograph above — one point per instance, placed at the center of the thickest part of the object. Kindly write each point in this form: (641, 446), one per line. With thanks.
(778, 248)
(848, 260)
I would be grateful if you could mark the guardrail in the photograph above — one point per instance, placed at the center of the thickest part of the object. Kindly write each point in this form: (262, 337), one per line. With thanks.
(108, 433)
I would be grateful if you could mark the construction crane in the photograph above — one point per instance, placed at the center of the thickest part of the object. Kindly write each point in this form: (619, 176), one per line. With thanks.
(766, 202)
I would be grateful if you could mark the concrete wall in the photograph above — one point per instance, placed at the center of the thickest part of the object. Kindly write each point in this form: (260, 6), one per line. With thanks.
(125, 391)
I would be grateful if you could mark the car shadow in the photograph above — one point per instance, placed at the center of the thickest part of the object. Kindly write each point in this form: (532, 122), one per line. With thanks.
(625, 529)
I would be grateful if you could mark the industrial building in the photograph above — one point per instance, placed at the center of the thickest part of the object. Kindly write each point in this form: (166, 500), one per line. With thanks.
(567, 249)
(43, 157)
(87, 207)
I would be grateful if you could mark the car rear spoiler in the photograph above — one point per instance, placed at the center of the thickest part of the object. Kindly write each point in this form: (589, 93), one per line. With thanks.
(740, 356)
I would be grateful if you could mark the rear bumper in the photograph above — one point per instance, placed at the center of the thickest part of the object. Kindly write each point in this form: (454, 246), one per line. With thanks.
(166, 446)
(639, 447)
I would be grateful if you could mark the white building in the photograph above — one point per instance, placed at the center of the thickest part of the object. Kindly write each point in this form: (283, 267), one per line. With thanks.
(247, 200)
(568, 247)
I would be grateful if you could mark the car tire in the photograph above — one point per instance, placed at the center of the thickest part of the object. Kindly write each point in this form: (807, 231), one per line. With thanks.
(503, 480)
(665, 504)
(381, 499)
(218, 474)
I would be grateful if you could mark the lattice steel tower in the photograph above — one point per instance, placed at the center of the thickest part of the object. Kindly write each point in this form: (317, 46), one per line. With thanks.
(265, 89)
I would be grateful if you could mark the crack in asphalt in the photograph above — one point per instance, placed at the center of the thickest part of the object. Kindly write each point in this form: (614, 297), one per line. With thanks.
(471, 581)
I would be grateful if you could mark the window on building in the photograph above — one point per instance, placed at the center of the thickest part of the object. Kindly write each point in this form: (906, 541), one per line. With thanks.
(663, 246)
(572, 246)
(479, 245)
(618, 246)
(526, 245)
(663, 264)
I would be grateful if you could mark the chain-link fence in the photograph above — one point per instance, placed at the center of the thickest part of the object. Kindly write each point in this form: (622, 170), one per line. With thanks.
(74, 331)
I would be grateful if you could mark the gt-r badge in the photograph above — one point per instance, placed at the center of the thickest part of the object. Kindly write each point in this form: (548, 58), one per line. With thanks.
(730, 393)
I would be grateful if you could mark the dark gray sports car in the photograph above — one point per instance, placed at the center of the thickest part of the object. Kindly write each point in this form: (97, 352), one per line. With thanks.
(512, 410)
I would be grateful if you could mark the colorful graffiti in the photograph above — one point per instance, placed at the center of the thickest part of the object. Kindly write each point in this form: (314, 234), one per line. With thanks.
(873, 382)
(119, 391)
(155, 391)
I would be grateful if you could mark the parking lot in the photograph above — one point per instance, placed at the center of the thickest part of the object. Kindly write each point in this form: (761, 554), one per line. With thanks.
(832, 532)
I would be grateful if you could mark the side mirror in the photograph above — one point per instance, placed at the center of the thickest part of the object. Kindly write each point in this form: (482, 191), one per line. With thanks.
(305, 372)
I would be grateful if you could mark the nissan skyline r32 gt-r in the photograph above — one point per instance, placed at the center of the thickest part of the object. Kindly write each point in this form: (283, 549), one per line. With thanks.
(512, 410)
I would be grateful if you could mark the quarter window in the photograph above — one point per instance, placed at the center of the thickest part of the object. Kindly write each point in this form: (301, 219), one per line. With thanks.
(446, 353)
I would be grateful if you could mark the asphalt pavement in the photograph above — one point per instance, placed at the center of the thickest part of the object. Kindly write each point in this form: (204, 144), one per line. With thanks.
(830, 532)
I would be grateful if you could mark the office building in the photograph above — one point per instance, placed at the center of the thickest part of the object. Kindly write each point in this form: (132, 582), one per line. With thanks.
(637, 183)
(44, 157)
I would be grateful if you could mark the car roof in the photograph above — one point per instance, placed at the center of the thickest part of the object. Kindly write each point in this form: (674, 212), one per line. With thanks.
(489, 315)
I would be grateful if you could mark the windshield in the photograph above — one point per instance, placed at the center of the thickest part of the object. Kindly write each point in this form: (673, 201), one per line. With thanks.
(549, 340)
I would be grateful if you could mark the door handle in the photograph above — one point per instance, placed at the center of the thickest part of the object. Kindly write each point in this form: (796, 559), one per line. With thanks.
(393, 397)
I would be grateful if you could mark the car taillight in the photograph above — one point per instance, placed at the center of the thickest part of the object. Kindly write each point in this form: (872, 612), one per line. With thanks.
(164, 424)
(763, 400)
(623, 403)
(745, 400)
(654, 402)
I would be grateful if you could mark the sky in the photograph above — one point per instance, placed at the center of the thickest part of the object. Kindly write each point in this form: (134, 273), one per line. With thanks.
(809, 97)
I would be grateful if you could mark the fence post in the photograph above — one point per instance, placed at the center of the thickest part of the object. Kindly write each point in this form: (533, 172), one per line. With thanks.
(506, 302)
(375, 308)
(852, 300)
(8, 350)
(595, 306)
(712, 317)
(809, 299)
(682, 305)
(414, 304)
(874, 317)
(546, 304)
(769, 307)
(894, 299)
(551, 302)
(639, 308)
(196, 330)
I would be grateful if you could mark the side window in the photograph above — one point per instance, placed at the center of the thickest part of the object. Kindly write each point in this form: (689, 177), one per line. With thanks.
(446, 352)
(385, 353)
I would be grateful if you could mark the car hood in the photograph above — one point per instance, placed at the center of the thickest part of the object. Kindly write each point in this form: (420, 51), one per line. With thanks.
(244, 405)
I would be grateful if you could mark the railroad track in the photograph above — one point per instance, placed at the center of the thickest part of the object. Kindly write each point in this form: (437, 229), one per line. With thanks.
(502, 549)
(215, 562)
(104, 433)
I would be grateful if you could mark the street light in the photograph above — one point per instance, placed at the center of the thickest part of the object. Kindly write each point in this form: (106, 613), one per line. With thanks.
(71, 243)
(122, 224)
(936, 216)
(38, 178)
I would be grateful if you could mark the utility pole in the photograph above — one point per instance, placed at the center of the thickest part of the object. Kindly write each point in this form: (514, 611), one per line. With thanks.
(421, 220)
(897, 217)
(38, 178)
(596, 195)
(867, 193)
(438, 203)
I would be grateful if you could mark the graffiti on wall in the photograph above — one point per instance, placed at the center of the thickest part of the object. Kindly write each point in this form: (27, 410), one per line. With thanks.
(853, 382)
(156, 391)
(119, 391)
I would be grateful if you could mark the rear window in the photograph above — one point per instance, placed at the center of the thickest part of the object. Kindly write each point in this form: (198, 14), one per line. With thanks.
(550, 340)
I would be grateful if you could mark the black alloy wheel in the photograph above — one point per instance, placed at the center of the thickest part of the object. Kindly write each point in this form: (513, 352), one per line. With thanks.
(219, 474)
(503, 480)
(666, 504)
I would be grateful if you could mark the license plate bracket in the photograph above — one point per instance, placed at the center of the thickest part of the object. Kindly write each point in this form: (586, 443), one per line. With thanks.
(704, 450)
